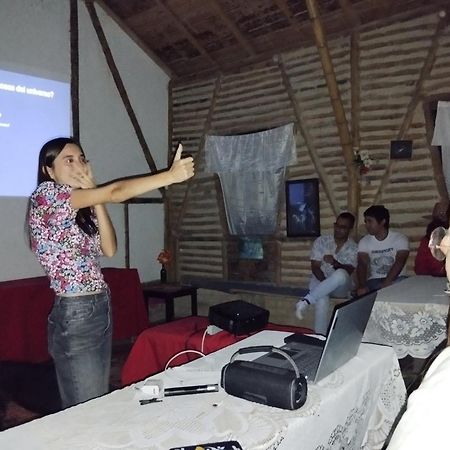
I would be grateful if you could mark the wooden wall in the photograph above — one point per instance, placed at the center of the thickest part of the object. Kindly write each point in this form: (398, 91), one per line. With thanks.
(399, 65)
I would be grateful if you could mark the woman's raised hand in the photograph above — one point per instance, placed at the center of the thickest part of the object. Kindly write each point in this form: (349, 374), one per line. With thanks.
(182, 168)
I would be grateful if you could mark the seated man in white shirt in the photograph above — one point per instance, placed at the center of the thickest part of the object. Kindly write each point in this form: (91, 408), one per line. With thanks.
(333, 259)
(382, 253)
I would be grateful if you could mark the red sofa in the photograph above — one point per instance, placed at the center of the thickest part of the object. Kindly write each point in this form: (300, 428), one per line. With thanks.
(26, 303)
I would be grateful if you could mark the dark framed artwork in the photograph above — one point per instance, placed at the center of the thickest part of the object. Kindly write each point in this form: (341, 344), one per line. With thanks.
(401, 149)
(302, 208)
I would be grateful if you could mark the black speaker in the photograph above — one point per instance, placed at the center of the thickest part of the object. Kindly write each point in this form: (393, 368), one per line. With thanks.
(272, 386)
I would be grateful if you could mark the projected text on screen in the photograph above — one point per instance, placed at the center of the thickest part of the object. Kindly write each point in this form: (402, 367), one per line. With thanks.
(32, 111)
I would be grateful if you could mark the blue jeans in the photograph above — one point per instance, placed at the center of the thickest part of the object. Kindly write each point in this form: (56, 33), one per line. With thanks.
(79, 340)
(338, 284)
(374, 284)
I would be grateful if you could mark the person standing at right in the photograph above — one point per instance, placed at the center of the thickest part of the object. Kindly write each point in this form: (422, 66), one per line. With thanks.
(382, 253)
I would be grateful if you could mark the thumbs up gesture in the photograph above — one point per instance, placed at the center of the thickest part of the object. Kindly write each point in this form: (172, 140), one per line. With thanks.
(182, 168)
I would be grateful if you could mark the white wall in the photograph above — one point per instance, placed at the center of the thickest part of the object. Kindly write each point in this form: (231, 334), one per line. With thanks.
(37, 34)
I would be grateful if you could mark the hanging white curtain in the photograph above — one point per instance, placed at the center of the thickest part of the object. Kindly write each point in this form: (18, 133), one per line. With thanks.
(251, 168)
(441, 137)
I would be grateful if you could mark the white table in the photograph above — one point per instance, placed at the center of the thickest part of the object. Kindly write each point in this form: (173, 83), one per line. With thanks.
(410, 316)
(353, 408)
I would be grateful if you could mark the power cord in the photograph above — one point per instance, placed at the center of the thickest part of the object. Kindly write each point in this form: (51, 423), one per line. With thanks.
(210, 330)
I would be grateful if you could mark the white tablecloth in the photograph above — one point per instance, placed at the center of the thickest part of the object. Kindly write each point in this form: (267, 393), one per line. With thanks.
(354, 408)
(410, 316)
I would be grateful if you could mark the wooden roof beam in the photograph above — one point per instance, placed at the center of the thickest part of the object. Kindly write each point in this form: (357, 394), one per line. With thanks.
(336, 103)
(135, 38)
(120, 86)
(350, 13)
(284, 8)
(232, 27)
(189, 36)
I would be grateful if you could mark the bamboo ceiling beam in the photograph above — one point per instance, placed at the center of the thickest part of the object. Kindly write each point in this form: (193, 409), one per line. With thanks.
(336, 102)
(416, 95)
(301, 122)
(120, 86)
(232, 27)
(183, 28)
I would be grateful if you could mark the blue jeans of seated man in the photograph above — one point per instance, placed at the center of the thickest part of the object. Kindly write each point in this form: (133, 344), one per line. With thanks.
(79, 340)
(376, 283)
(338, 284)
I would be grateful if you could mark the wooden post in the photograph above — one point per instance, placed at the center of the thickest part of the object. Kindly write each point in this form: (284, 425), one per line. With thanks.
(336, 102)
(119, 85)
(355, 81)
(301, 122)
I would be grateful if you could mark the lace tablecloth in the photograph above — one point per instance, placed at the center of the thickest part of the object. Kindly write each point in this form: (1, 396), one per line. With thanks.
(410, 316)
(354, 408)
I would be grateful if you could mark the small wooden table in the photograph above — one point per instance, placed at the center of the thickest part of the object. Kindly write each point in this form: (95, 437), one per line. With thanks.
(168, 292)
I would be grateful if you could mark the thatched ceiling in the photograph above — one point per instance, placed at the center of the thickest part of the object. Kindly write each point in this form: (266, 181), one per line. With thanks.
(196, 38)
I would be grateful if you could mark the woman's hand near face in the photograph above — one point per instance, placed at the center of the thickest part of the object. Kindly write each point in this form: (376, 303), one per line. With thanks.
(84, 177)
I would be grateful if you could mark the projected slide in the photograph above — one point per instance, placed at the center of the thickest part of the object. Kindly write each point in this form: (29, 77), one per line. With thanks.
(32, 111)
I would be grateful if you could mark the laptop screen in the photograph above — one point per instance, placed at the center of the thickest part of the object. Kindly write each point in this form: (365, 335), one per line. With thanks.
(345, 333)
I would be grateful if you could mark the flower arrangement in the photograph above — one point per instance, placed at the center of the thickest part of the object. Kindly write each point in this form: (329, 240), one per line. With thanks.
(164, 257)
(362, 159)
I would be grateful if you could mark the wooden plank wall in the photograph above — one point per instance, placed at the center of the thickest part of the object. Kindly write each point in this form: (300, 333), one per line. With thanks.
(391, 60)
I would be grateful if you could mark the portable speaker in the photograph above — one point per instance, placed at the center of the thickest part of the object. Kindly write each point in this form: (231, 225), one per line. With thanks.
(272, 386)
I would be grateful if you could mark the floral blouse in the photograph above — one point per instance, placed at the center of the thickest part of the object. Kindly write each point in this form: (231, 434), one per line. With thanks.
(67, 254)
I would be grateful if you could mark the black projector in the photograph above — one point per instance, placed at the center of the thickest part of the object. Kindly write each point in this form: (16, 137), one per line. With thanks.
(238, 317)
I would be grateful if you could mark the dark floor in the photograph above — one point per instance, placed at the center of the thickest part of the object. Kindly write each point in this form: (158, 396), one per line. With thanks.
(28, 391)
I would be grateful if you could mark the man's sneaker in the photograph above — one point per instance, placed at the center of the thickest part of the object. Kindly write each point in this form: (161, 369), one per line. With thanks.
(301, 307)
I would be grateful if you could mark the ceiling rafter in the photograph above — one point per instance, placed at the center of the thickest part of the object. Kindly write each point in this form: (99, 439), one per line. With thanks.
(350, 13)
(232, 27)
(191, 38)
(284, 8)
(227, 36)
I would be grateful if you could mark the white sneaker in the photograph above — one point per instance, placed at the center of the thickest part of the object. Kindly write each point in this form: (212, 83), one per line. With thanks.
(301, 307)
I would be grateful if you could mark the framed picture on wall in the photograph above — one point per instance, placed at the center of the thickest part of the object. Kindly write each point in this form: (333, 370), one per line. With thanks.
(302, 208)
(401, 149)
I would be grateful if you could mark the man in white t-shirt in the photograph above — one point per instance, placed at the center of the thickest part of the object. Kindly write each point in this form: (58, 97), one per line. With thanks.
(333, 259)
(382, 253)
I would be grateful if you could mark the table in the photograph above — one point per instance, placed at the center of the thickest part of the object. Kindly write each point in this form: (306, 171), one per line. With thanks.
(168, 292)
(353, 408)
(26, 303)
(410, 316)
(155, 346)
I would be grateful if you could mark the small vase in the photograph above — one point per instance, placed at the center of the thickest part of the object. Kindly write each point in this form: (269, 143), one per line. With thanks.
(163, 275)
